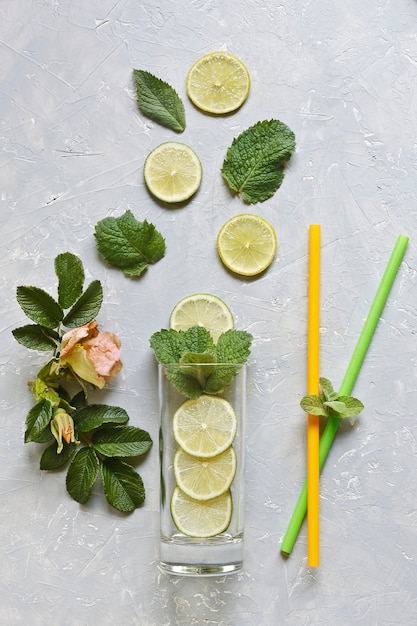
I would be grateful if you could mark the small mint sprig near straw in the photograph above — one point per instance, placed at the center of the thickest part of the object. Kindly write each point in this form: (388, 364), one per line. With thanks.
(348, 382)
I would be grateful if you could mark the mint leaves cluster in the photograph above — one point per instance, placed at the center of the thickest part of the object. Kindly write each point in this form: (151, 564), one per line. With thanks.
(255, 162)
(330, 404)
(190, 357)
(128, 244)
(92, 438)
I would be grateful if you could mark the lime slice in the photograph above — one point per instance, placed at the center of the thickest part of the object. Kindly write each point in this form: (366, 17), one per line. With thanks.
(247, 244)
(204, 310)
(205, 427)
(172, 172)
(204, 479)
(201, 518)
(218, 83)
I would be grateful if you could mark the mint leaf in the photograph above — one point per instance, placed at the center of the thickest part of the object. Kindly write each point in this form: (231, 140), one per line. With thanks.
(70, 272)
(39, 306)
(352, 406)
(51, 460)
(125, 441)
(312, 404)
(37, 422)
(82, 474)
(159, 101)
(196, 347)
(86, 307)
(233, 346)
(123, 487)
(327, 391)
(198, 339)
(128, 244)
(36, 337)
(95, 415)
(254, 163)
(168, 345)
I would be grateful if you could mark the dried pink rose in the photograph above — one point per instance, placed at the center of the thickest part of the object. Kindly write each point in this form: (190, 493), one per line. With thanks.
(91, 354)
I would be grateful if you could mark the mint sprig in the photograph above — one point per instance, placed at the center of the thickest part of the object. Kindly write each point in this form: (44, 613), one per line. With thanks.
(192, 355)
(255, 162)
(158, 100)
(330, 404)
(127, 244)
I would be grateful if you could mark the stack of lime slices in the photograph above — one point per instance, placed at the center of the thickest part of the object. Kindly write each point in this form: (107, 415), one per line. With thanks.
(204, 466)
(204, 429)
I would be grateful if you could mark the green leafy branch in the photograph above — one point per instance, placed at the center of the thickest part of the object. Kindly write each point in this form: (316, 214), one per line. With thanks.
(190, 357)
(330, 404)
(93, 439)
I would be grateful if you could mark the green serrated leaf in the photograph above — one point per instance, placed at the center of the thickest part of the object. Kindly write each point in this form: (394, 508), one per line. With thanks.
(70, 272)
(36, 337)
(86, 307)
(128, 244)
(189, 386)
(326, 389)
(123, 487)
(313, 405)
(95, 415)
(254, 163)
(233, 346)
(159, 101)
(124, 441)
(37, 422)
(39, 306)
(51, 460)
(168, 345)
(352, 406)
(79, 401)
(199, 340)
(335, 406)
(82, 474)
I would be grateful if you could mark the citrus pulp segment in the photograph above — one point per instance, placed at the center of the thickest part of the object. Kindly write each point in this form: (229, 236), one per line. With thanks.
(205, 427)
(204, 310)
(172, 172)
(247, 244)
(204, 479)
(201, 518)
(218, 83)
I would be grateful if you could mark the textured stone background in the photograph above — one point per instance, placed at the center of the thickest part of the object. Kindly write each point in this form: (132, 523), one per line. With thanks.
(343, 76)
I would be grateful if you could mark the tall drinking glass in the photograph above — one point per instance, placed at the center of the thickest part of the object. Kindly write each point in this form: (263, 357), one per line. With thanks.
(202, 454)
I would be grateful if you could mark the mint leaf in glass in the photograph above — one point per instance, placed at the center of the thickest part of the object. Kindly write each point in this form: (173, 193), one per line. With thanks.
(255, 162)
(196, 354)
(159, 101)
(127, 244)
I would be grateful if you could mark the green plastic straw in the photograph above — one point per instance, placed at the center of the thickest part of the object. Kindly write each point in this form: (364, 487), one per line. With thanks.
(348, 383)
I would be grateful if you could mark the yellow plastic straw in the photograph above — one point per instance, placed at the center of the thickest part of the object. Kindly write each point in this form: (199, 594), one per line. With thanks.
(348, 382)
(313, 432)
